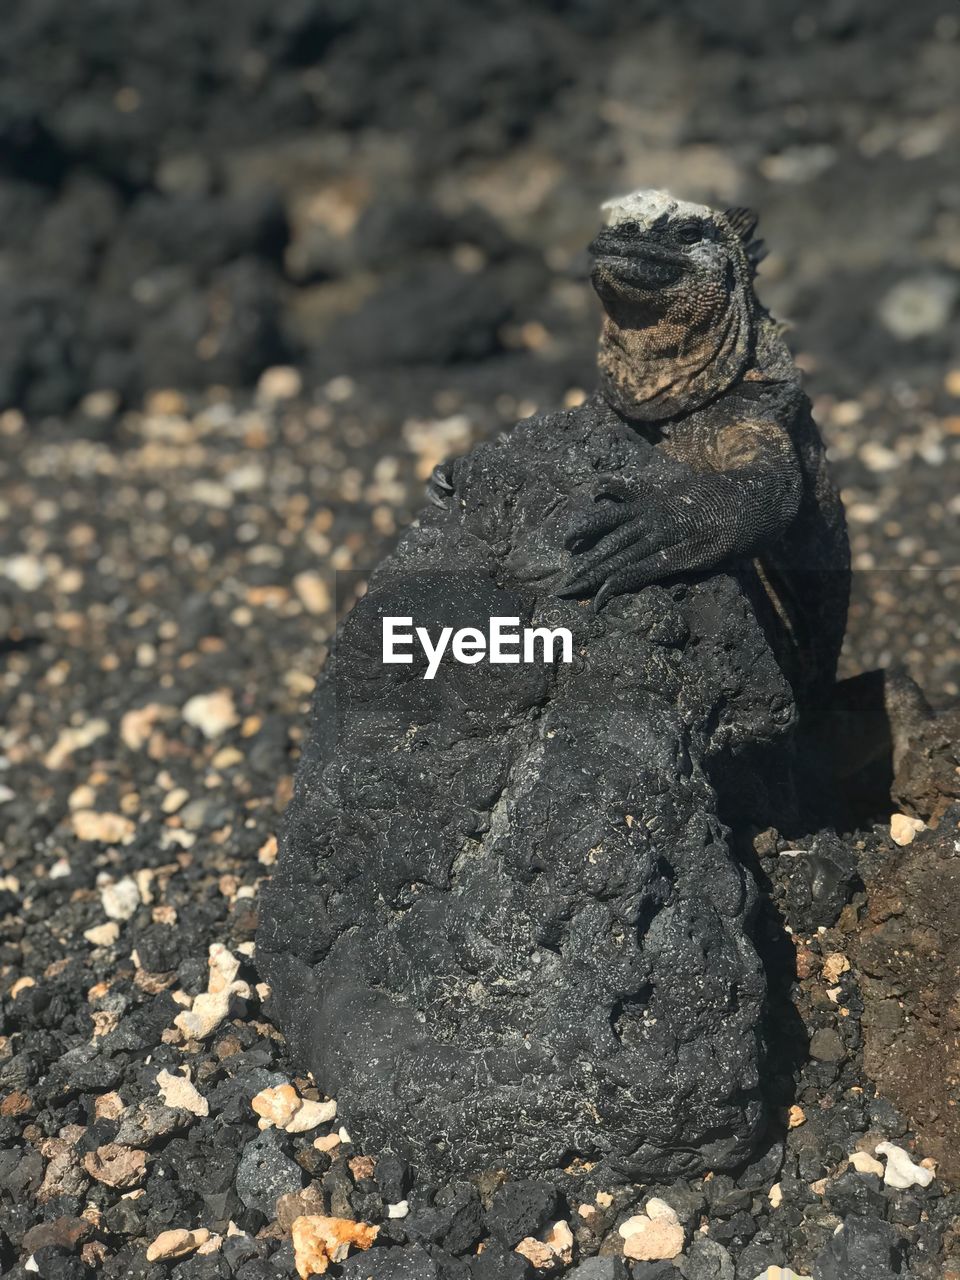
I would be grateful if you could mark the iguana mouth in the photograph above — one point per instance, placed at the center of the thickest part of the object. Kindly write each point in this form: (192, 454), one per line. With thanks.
(638, 264)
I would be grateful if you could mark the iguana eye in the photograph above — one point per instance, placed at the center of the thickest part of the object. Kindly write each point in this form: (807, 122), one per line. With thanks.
(690, 232)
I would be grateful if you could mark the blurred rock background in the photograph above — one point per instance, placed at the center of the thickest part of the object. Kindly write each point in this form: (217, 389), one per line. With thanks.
(191, 196)
(400, 196)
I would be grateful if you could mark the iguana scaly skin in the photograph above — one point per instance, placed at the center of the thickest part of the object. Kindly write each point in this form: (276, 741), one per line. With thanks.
(692, 361)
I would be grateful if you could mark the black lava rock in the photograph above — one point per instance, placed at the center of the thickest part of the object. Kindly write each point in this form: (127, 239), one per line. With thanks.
(283, 1261)
(903, 1209)
(453, 1223)
(762, 1251)
(21, 1171)
(265, 1172)
(740, 1227)
(599, 1269)
(653, 1271)
(212, 1267)
(449, 1267)
(521, 1209)
(820, 884)
(855, 1194)
(864, 1249)
(210, 1174)
(240, 1249)
(687, 1202)
(706, 1260)
(762, 1172)
(548, 952)
(725, 1198)
(393, 1177)
(435, 315)
(256, 1269)
(51, 1263)
(413, 1263)
(498, 1263)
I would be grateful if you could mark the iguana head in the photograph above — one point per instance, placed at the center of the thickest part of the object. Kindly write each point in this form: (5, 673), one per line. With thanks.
(676, 283)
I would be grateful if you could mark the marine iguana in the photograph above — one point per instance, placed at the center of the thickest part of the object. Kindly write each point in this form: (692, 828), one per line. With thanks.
(693, 362)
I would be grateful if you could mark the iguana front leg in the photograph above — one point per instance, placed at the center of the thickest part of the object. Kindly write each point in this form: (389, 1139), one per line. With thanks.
(743, 490)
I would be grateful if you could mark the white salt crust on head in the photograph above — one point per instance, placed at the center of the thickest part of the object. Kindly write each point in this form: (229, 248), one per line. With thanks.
(646, 206)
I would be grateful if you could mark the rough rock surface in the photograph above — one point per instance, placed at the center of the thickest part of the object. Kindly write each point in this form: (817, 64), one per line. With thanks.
(506, 928)
(865, 1248)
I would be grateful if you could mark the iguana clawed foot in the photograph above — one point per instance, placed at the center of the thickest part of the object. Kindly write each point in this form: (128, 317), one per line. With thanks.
(613, 537)
(440, 485)
(628, 537)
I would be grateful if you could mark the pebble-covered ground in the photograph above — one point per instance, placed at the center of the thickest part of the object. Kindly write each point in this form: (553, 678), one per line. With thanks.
(168, 586)
(171, 591)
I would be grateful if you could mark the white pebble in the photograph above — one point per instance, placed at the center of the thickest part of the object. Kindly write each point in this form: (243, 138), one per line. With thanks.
(211, 713)
(176, 1243)
(559, 1240)
(120, 899)
(279, 383)
(780, 1273)
(224, 967)
(103, 935)
(74, 738)
(204, 1016)
(211, 1007)
(918, 305)
(863, 1162)
(310, 1115)
(540, 1256)
(649, 1239)
(178, 1091)
(276, 1105)
(26, 571)
(660, 1211)
(281, 1106)
(901, 1172)
(903, 828)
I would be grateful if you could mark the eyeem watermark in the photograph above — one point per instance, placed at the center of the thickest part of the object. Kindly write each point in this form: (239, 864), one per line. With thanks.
(503, 643)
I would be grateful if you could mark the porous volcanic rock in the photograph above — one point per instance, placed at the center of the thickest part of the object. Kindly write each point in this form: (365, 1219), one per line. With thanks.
(506, 929)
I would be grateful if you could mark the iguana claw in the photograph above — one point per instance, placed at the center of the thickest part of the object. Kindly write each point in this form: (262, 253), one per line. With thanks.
(440, 485)
(629, 537)
(604, 513)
